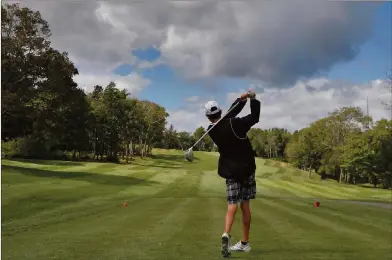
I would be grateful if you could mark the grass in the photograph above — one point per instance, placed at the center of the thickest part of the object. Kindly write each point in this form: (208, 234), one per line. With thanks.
(68, 210)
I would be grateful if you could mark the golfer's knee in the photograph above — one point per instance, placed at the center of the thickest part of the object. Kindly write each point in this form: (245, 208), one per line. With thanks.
(232, 208)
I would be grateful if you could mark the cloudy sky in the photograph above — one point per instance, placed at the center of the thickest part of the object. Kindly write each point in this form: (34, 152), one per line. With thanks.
(304, 59)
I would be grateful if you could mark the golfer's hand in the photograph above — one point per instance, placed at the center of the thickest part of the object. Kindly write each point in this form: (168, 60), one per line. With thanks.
(251, 94)
(244, 96)
(248, 94)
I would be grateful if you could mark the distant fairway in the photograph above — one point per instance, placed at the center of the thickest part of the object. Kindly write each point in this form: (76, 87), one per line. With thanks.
(72, 210)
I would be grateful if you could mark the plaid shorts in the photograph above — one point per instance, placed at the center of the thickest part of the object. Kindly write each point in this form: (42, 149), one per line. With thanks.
(238, 192)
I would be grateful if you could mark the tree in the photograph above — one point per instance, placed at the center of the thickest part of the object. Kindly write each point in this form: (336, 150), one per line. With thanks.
(382, 146)
(388, 87)
(185, 140)
(25, 41)
(39, 97)
(206, 144)
(269, 143)
(152, 125)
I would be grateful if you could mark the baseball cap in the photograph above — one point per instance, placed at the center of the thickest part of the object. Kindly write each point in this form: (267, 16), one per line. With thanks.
(211, 108)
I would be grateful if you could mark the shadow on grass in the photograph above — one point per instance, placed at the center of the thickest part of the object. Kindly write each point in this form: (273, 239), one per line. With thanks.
(367, 186)
(171, 157)
(169, 161)
(48, 162)
(79, 176)
(160, 165)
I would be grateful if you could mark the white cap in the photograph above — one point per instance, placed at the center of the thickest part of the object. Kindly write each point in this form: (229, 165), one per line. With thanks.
(211, 108)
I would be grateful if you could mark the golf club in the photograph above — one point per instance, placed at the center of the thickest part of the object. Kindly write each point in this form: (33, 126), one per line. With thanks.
(189, 153)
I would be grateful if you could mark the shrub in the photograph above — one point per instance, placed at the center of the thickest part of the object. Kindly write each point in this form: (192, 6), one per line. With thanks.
(32, 148)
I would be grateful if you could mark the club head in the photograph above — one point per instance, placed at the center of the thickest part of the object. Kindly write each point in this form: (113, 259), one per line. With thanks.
(189, 155)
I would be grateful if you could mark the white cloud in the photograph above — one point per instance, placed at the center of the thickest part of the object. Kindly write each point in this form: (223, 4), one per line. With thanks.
(192, 99)
(273, 41)
(149, 64)
(297, 107)
(187, 119)
(133, 83)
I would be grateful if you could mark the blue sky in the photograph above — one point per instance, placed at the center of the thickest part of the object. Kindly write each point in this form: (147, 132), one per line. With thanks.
(170, 90)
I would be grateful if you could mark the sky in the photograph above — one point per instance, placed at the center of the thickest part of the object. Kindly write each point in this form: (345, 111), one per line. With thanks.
(303, 59)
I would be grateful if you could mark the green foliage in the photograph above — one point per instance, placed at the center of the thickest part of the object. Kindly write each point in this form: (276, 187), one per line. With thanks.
(206, 144)
(29, 147)
(270, 143)
(41, 102)
(345, 147)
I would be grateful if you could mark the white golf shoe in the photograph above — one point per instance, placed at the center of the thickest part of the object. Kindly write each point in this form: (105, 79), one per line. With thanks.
(226, 243)
(240, 247)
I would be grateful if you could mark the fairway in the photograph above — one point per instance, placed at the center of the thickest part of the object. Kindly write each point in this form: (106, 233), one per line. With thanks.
(175, 210)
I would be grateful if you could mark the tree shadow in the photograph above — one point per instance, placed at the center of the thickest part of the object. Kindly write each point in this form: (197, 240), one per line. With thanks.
(171, 158)
(80, 176)
(159, 165)
(170, 161)
(48, 162)
(367, 186)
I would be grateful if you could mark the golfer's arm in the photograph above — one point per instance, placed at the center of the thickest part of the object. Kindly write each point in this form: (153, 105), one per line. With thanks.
(237, 109)
(254, 116)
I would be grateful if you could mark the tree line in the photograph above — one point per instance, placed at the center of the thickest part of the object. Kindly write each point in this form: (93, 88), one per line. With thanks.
(45, 114)
(347, 146)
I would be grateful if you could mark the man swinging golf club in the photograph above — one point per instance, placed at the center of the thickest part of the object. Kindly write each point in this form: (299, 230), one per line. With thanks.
(236, 163)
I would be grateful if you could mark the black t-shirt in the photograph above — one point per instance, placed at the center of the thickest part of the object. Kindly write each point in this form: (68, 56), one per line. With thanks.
(235, 149)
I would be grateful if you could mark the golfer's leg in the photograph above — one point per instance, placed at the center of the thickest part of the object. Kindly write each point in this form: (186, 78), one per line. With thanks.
(232, 190)
(249, 193)
(230, 215)
(246, 218)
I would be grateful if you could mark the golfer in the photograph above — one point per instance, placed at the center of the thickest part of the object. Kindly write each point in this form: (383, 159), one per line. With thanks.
(236, 164)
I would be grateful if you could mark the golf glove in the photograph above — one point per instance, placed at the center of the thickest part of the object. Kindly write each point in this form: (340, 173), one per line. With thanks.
(251, 94)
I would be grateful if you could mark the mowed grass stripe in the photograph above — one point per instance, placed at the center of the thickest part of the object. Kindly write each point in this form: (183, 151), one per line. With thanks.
(290, 208)
(187, 186)
(311, 191)
(284, 235)
(40, 198)
(66, 212)
(56, 216)
(296, 238)
(266, 187)
(376, 224)
(212, 185)
(118, 227)
(328, 189)
(199, 238)
(158, 181)
(152, 240)
(373, 214)
(11, 192)
(289, 191)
